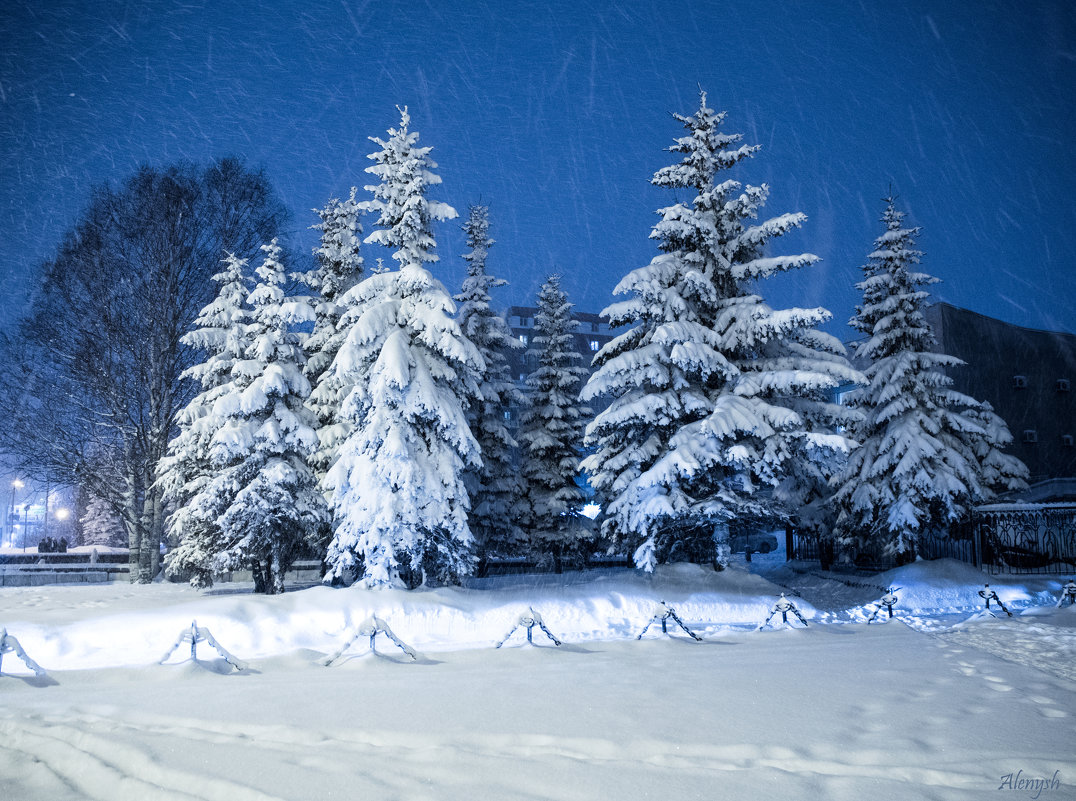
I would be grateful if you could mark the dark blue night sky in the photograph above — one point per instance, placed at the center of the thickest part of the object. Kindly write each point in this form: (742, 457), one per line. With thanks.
(556, 113)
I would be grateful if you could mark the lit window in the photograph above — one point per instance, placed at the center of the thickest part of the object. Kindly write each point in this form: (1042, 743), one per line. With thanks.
(523, 338)
(594, 344)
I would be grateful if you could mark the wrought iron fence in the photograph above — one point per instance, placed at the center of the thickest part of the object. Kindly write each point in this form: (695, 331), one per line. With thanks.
(1001, 538)
(957, 545)
(805, 546)
(1026, 539)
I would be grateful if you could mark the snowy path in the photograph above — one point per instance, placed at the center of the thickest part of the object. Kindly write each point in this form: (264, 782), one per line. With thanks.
(831, 713)
(939, 708)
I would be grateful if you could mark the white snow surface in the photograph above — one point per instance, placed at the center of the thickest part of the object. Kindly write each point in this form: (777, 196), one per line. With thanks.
(940, 703)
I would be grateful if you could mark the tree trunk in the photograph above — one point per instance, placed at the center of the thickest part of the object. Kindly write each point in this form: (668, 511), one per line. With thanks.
(132, 521)
(156, 531)
(149, 548)
(258, 574)
(276, 574)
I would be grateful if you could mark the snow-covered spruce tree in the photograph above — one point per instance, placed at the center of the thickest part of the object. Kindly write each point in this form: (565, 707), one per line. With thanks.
(222, 334)
(715, 396)
(398, 496)
(923, 445)
(551, 432)
(495, 488)
(1001, 472)
(339, 268)
(264, 495)
(100, 525)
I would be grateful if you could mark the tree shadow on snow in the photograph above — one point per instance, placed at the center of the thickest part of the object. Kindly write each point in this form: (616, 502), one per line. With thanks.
(678, 641)
(221, 667)
(290, 587)
(223, 591)
(400, 659)
(32, 680)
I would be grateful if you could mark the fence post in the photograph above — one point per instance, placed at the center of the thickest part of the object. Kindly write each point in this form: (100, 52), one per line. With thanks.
(977, 540)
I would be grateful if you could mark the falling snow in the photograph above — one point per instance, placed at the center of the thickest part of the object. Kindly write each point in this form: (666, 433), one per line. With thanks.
(556, 115)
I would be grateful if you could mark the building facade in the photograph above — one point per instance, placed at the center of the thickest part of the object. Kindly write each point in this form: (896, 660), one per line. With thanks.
(591, 334)
(1027, 375)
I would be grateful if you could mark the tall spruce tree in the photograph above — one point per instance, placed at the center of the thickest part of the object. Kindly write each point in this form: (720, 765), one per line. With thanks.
(926, 451)
(222, 334)
(399, 500)
(714, 395)
(495, 488)
(552, 432)
(264, 497)
(339, 268)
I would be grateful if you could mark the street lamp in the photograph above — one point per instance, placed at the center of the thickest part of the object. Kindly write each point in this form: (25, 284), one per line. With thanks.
(61, 517)
(25, 525)
(15, 486)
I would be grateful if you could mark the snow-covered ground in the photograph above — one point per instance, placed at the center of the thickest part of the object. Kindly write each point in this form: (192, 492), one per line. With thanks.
(940, 703)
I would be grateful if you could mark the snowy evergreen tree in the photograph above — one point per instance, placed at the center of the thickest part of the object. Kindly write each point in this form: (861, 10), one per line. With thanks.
(405, 214)
(399, 500)
(1001, 472)
(926, 451)
(101, 525)
(222, 335)
(495, 489)
(552, 431)
(339, 268)
(715, 396)
(263, 496)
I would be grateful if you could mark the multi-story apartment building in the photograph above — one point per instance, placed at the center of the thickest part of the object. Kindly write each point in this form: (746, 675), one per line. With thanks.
(1027, 375)
(592, 332)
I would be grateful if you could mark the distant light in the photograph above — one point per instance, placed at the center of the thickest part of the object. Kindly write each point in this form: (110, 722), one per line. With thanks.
(62, 514)
(17, 484)
(592, 510)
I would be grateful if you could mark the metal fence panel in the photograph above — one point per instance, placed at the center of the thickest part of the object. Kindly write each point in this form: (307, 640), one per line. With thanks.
(1000, 538)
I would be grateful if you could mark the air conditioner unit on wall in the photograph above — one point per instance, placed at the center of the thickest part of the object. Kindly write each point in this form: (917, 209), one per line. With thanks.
(1066, 440)
(1063, 385)
(1031, 435)
(1019, 382)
